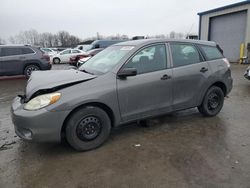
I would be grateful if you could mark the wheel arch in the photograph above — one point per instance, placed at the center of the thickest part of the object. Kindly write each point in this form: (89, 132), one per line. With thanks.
(219, 84)
(103, 106)
(30, 63)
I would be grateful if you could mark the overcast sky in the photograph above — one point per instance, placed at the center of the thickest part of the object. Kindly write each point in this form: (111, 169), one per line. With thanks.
(84, 18)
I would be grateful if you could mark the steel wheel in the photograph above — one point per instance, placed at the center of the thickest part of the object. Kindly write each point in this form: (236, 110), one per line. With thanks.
(88, 128)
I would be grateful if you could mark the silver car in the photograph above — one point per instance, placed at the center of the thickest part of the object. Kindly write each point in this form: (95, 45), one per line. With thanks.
(124, 83)
(247, 73)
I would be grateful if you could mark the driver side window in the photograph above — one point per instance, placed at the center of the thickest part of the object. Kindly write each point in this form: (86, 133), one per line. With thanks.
(149, 59)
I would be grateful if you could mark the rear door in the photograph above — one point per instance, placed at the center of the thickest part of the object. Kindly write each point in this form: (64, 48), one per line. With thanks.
(150, 91)
(190, 73)
(65, 56)
(12, 60)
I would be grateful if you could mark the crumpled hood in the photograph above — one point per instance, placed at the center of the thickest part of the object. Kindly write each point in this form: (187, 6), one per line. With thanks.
(52, 79)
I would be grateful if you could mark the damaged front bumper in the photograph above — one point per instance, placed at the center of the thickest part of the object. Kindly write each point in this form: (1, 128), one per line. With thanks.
(38, 125)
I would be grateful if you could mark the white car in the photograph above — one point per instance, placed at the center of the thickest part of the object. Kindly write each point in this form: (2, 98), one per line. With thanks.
(50, 52)
(64, 56)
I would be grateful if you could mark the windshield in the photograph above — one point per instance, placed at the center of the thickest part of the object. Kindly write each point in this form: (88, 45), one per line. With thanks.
(86, 47)
(106, 59)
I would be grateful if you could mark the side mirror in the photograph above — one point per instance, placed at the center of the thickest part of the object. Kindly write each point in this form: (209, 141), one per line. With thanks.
(125, 72)
(97, 46)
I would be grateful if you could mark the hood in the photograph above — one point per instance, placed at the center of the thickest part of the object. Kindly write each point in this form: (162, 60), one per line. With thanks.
(52, 80)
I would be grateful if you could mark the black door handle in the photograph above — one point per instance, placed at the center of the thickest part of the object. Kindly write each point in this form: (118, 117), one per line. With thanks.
(165, 77)
(204, 69)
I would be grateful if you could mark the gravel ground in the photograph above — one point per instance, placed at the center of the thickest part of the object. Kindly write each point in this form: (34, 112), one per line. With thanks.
(183, 149)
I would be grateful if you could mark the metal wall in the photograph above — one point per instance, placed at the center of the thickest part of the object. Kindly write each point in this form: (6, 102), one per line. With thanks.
(229, 32)
(205, 21)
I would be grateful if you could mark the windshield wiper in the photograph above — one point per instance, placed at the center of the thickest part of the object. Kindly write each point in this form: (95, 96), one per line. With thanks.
(83, 70)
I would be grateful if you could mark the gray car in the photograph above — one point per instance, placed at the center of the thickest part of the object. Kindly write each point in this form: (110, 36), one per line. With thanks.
(126, 82)
(22, 60)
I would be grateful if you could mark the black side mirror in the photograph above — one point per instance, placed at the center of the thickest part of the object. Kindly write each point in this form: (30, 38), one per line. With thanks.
(97, 46)
(125, 72)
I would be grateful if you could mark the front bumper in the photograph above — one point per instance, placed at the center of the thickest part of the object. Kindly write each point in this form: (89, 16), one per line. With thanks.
(40, 125)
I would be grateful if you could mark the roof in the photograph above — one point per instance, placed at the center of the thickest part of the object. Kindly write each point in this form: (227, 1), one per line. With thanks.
(150, 41)
(225, 7)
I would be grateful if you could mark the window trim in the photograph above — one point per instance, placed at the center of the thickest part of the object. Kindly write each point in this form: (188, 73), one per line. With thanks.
(30, 53)
(204, 54)
(146, 46)
(15, 55)
(202, 59)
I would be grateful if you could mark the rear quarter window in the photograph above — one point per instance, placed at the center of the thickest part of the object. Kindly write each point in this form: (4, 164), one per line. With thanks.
(27, 51)
(212, 52)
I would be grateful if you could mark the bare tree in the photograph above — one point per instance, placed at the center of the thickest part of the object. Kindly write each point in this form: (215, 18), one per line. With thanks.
(62, 38)
(2, 41)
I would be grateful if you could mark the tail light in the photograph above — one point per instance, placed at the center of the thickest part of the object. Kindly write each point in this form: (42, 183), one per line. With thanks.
(46, 57)
(227, 62)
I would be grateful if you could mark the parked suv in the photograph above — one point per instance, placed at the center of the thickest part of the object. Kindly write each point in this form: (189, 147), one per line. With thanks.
(126, 82)
(22, 60)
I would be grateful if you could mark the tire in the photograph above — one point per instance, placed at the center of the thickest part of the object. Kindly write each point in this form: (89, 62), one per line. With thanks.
(29, 69)
(88, 128)
(56, 60)
(212, 102)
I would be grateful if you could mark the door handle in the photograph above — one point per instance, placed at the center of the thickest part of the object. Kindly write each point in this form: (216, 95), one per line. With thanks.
(165, 77)
(204, 69)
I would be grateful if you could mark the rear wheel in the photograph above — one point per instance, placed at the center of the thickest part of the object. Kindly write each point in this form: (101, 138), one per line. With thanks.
(29, 69)
(56, 60)
(88, 128)
(212, 102)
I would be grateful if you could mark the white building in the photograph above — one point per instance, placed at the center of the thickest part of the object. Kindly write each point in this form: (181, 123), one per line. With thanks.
(229, 26)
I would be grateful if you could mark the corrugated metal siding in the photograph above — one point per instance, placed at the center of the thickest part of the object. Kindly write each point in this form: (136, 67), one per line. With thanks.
(229, 32)
(206, 17)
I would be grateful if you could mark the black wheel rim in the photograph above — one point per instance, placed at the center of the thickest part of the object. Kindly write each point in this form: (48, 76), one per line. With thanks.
(31, 69)
(213, 101)
(88, 128)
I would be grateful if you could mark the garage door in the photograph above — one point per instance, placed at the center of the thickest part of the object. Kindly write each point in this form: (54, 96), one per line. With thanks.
(229, 32)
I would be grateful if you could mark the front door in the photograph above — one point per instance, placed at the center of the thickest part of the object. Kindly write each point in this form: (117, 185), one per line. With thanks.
(149, 92)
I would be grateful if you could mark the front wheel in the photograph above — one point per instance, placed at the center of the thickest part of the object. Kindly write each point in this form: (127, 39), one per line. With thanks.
(29, 69)
(56, 60)
(212, 102)
(88, 128)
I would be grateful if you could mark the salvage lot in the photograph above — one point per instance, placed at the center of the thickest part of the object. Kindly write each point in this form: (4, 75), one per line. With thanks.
(183, 149)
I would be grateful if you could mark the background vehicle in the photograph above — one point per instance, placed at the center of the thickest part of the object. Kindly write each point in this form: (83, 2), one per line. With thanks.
(82, 61)
(83, 47)
(64, 56)
(116, 87)
(247, 73)
(22, 60)
(49, 51)
(103, 43)
(75, 59)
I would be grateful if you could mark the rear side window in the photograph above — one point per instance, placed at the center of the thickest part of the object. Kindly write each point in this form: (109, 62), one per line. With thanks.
(10, 51)
(76, 51)
(212, 52)
(184, 54)
(27, 51)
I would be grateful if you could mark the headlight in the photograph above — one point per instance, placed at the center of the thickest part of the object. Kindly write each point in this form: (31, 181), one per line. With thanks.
(42, 101)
